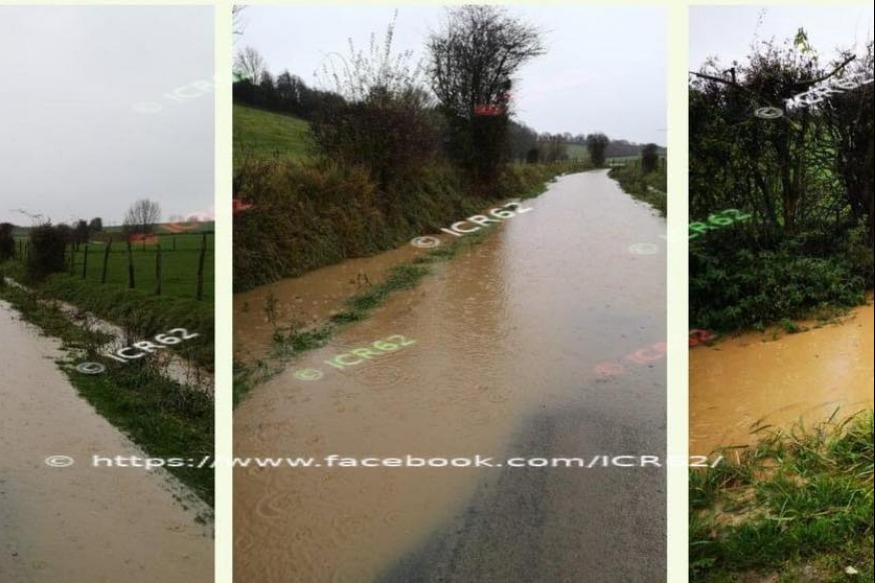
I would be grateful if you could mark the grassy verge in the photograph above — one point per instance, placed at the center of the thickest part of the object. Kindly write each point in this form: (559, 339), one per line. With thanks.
(311, 214)
(796, 507)
(140, 313)
(649, 188)
(165, 419)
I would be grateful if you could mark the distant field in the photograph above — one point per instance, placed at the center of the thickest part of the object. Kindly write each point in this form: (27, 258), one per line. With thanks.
(577, 151)
(264, 134)
(580, 152)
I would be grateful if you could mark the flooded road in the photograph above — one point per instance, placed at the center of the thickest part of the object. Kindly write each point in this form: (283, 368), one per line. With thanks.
(495, 354)
(752, 378)
(81, 524)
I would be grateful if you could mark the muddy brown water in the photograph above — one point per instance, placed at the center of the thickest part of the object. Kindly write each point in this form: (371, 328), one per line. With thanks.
(505, 337)
(82, 524)
(752, 379)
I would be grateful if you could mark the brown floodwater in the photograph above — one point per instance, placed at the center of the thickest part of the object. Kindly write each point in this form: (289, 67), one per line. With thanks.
(495, 356)
(752, 379)
(305, 301)
(82, 524)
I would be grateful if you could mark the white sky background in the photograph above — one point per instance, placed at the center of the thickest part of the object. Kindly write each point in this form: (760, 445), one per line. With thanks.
(72, 143)
(604, 69)
(727, 32)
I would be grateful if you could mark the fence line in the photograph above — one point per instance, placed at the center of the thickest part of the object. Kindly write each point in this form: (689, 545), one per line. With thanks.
(79, 256)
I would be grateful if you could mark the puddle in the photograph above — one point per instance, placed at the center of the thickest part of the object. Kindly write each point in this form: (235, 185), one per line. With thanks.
(751, 378)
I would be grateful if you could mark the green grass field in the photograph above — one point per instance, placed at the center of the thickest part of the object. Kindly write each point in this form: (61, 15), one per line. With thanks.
(140, 309)
(264, 134)
(577, 151)
(179, 263)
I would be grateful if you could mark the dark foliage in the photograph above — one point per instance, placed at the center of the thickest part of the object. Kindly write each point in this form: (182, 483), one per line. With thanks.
(47, 246)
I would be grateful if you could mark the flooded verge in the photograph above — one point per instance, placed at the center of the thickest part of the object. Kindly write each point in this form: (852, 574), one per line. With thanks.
(305, 301)
(176, 368)
(752, 379)
(495, 354)
(80, 523)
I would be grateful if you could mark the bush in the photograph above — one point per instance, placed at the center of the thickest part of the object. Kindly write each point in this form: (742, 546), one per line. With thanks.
(47, 246)
(649, 158)
(7, 242)
(392, 135)
(732, 286)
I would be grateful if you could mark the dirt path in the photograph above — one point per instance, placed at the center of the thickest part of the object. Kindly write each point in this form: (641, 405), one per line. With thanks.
(81, 524)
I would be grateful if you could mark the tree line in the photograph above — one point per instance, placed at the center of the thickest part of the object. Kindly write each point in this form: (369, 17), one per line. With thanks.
(463, 102)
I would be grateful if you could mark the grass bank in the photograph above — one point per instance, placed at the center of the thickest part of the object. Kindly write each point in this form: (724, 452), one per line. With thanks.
(263, 134)
(313, 213)
(650, 187)
(162, 417)
(796, 507)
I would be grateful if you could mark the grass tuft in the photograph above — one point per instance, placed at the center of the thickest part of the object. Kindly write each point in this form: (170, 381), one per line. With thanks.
(799, 504)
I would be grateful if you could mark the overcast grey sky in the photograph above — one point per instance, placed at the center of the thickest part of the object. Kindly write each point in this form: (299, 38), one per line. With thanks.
(85, 125)
(728, 32)
(604, 70)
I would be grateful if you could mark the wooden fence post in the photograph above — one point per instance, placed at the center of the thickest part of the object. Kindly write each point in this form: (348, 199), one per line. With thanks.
(200, 268)
(85, 262)
(130, 266)
(105, 260)
(72, 260)
(158, 270)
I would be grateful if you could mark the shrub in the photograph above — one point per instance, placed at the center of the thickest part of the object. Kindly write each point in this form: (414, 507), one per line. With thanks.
(7, 242)
(47, 246)
(733, 286)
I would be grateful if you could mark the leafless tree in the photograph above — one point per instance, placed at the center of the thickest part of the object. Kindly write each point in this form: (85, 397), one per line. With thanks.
(142, 216)
(238, 25)
(249, 64)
